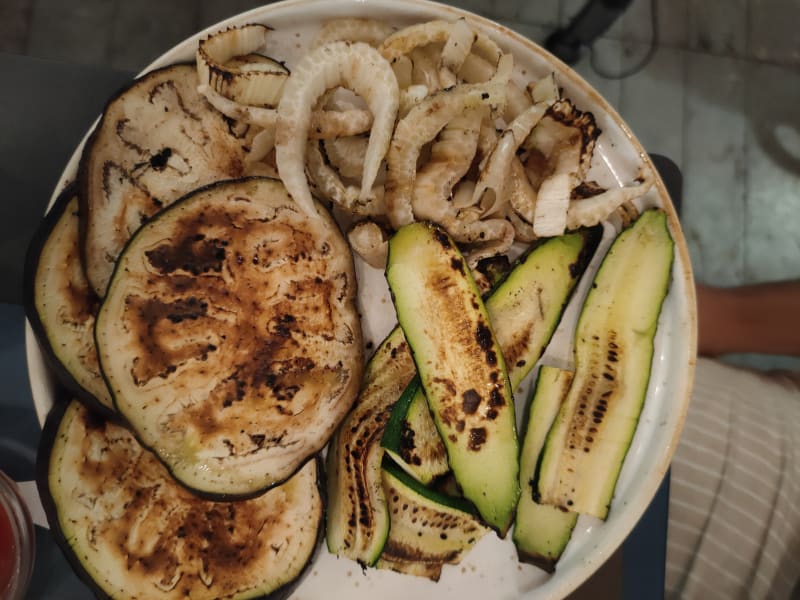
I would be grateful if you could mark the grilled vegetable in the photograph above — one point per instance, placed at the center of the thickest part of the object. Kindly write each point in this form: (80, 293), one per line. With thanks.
(428, 529)
(460, 365)
(358, 518)
(157, 140)
(130, 531)
(411, 437)
(541, 531)
(229, 336)
(60, 305)
(587, 443)
(259, 80)
(524, 310)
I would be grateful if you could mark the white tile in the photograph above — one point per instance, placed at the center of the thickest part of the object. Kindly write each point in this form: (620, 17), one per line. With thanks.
(773, 33)
(714, 168)
(772, 233)
(570, 8)
(539, 12)
(651, 101)
(607, 54)
(718, 26)
(636, 24)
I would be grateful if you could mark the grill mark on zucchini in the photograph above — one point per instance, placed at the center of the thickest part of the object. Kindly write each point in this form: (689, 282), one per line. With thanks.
(613, 356)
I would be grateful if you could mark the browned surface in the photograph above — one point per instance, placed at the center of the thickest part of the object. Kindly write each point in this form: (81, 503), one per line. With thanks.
(157, 141)
(232, 338)
(143, 535)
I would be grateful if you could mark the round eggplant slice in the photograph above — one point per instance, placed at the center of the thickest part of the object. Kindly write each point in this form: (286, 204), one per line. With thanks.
(61, 306)
(229, 336)
(156, 141)
(130, 531)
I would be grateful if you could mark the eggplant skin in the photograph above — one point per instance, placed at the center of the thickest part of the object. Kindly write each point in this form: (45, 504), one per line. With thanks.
(61, 345)
(182, 522)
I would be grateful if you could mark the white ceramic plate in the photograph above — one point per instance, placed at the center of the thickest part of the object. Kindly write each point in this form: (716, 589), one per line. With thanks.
(491, 569)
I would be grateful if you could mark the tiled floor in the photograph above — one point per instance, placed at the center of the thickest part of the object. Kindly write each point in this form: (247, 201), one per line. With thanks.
(720, 97)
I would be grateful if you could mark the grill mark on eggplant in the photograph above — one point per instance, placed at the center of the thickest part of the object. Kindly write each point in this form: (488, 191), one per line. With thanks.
(156, 533)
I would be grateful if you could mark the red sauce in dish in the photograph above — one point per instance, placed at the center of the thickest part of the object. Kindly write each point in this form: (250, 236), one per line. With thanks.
(7, 550)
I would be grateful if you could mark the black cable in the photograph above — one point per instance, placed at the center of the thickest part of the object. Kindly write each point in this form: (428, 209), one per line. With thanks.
(643, 62)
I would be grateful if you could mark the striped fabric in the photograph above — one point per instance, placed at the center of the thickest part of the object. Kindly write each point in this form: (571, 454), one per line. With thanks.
(734, 510)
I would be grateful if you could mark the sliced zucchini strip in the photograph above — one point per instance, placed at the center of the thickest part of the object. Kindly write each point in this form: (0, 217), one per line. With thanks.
(524, 310)
(130, 531)
(460, 365)
(229, 336)
(358, 518)
(614, 339)
(428, 529)
(541, 531)
(61, 306)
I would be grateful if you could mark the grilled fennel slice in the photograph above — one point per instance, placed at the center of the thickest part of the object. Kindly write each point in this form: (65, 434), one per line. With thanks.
(229, 336)
(541, 532)
(428, 529)
(357, 516)
(60, 305)
(460, 365)
(614, 339)
(130, 531)
(157, 140)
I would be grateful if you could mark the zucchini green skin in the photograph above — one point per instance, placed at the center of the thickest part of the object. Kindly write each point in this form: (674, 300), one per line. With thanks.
(614, 338)
(65, 334)
(541, 532)
(52, 467)
(428, 529)
(411, 438)
(460, 365)
(358, 517)
(524, 308)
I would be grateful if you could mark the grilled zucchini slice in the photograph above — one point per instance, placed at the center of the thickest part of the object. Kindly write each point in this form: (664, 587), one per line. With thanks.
(60, 305)
(460, 365)
(411, 437)
(229, 336)
(541, 532)
(614, 338)
(428, 529)
(358, 518)
(524, 309)
(130, 531)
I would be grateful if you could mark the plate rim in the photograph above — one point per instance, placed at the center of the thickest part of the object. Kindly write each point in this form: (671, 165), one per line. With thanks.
(42, 383)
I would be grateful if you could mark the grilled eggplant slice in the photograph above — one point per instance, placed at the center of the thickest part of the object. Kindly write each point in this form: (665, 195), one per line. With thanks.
(61, 306)
(229, 336)
(358, 517)
(428, 529)
(130, 531)
(460, 365)
(614, 338)
(156, 141)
